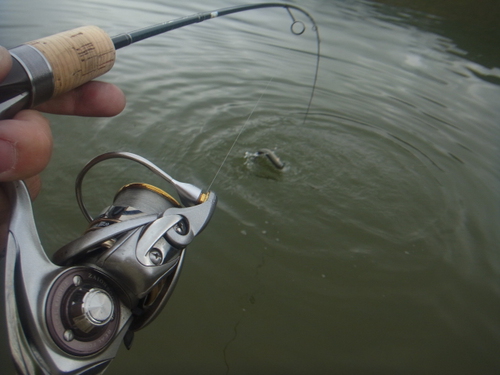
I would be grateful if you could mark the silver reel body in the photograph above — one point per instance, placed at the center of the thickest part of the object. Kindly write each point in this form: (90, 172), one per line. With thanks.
(69, 315)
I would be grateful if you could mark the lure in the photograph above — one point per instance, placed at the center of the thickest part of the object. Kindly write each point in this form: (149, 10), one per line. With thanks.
(273, 158)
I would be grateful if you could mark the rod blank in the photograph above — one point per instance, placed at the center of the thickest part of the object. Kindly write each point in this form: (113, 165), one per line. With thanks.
(126, 39)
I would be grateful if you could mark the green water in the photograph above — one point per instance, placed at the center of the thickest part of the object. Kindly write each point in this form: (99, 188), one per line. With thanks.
(375, 251)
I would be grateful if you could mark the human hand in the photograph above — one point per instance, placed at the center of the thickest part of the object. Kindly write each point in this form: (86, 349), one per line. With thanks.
(26, 140)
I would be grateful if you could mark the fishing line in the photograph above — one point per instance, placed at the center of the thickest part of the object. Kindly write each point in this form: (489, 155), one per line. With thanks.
(318, 51)
(239, 134)
(297, 28)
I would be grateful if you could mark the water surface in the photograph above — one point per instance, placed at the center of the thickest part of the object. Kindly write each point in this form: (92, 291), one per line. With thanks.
(374, 251)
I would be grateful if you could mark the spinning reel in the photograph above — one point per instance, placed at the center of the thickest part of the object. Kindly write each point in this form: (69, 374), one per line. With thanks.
(69, 315)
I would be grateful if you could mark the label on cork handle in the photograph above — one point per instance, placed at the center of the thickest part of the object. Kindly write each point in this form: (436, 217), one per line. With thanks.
(77, 56)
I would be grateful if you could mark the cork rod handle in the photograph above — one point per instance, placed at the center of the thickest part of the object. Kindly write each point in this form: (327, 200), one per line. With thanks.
(76, 56)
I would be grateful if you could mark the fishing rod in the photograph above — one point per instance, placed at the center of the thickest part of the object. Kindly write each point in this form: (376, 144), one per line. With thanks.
(50, 66)
(69, 314)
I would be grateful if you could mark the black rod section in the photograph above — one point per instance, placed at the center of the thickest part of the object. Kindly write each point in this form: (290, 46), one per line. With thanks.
(126, 39)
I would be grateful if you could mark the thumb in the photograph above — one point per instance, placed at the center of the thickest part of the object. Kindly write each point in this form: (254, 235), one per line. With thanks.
(25, 146)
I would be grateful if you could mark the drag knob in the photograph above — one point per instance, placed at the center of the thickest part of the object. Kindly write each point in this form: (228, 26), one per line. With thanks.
(97, 307)
(82, 311)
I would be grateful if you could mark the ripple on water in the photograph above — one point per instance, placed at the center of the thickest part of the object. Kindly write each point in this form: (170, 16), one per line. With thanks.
(338, 173)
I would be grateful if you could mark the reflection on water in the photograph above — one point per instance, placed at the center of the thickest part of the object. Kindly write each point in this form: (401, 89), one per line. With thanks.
(374, 250)
(467, 21)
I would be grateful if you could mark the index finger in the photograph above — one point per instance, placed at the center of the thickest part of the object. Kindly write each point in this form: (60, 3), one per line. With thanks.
(91, 99)
(5, 62)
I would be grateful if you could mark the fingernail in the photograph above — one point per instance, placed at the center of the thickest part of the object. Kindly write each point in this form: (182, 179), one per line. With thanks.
(3, 53)
(8, 156)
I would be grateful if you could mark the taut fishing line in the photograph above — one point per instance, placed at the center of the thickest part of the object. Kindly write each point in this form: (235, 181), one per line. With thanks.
(239, 134)
(297, 28)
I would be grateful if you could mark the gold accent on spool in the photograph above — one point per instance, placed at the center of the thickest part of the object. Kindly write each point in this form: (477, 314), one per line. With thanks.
(155, 292)
(153, 189)
(77, 56)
